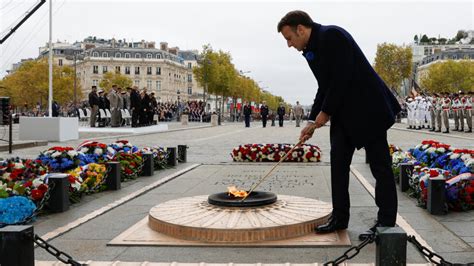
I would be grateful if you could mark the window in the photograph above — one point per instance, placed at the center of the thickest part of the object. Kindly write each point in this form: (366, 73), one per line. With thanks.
(158, 70)
(95, 54)
(60, 62)
(190, 78)
(127, 55)
(104, 69)
(148, 71)
(190, 90)
(190, 65)
(149, 56)
(95, 82)
(95, 69)
(137, 70)
(137, 55)
(105, 54)
(158, 56)
(137, 82)
(118, 55)
(148, 84)
(127, 70)
(117, 69)
(158, 85)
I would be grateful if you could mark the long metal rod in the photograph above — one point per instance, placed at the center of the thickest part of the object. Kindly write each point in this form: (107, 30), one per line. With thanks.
(271, 170)
(50, 93)
(12, 30)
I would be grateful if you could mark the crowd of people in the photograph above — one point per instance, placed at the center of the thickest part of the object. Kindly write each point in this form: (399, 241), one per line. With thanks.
(142, 106)
(264, 114)
(433, 112)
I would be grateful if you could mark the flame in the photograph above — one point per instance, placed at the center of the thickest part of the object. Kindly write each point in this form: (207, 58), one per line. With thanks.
(236, 193)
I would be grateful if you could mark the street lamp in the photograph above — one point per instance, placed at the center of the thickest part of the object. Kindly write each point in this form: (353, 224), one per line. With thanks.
(179, 105)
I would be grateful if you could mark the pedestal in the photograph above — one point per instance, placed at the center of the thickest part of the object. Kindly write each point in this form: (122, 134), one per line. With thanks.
(184, 120)
(16, 245)
(49, 128)
(59, 194)
(436, 197)
(214, 121)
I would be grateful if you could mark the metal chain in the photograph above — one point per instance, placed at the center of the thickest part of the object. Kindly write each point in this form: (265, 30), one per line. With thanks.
(433, 257)
(354, 249)
(60, 255)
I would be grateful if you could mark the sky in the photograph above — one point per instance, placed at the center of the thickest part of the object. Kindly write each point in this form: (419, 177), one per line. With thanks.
(247, 29)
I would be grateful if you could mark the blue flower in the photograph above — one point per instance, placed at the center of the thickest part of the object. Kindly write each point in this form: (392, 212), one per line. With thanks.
(309, 56)
(15, 209)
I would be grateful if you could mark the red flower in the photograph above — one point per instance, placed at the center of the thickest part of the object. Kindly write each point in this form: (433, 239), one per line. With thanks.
(43, 187)
(37, 194)
(28, 183)
(71, 179)
(433, 173)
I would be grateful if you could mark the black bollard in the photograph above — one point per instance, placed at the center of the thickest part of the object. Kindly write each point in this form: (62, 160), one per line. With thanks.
(391, 246)
(182, 153)
(148, 166)
(59, 194)
(114, 175)
(436, 198)
(172, 159)
(406, 170)
(16, 245)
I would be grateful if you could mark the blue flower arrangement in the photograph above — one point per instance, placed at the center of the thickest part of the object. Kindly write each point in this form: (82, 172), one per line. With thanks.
(15, 209)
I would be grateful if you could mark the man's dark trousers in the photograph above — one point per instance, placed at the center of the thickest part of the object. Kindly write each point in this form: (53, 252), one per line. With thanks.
(280, 120)
(264, 120)
(247, 121)
(380, 161)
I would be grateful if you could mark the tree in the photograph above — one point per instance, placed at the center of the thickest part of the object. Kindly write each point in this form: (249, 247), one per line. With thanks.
(110, 78)
(416, 39)
(460, 35)
(29, 84)
(449, 76)
(205, 71)
(424, 39)
(393, 63)
(442, 40)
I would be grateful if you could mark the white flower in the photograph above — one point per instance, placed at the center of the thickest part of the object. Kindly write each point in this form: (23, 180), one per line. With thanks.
(110, 150)
(84, 149)
(72, 153)
(424, 147)
(294, 154)
(270, 157)
(119, 144)
(418, 146)
(18, 166)
(454, 156)
(441, 150)
(431, 150)
(98, 151)
(466, 157)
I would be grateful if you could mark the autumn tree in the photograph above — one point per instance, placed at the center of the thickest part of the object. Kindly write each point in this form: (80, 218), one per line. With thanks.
(393, 63)
(111, 78)
(449, 76)
(29, 84)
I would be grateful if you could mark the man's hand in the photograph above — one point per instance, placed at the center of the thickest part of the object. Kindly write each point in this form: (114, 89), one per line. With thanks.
(308, 131)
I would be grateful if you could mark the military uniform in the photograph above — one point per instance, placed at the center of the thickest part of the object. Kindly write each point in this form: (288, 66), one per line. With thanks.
(446, 106)
(467, 108)
(264, 114)
(456, 107)
(298, 111)
(438, 110)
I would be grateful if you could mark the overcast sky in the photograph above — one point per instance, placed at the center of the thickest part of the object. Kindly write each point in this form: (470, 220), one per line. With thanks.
(246, 29)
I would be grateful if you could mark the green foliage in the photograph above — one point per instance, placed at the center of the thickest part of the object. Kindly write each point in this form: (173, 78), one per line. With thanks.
(111, 78)
(449, 76)
(424, 39)
(29, 83)
(393, 63)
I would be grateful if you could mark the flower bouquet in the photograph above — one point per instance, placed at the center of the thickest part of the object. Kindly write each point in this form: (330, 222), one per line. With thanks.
(160, 156)
(274, 152)
(460, 192)
(61, 159)
(91, 178)
(96, 150)
(16, 209)
(130, 164)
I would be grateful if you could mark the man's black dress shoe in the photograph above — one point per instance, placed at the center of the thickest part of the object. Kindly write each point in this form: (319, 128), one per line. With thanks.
(371, 231)
(332, 225)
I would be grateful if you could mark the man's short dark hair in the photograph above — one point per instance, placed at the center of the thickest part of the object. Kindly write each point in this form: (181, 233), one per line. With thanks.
(295, 18)
(94, 87)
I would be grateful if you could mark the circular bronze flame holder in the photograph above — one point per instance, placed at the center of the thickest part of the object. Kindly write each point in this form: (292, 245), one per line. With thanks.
(256, 198)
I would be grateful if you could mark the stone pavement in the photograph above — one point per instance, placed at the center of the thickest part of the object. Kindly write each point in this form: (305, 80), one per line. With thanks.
(450, 234)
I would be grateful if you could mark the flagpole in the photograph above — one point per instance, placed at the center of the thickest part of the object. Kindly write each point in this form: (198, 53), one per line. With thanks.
(50, 93)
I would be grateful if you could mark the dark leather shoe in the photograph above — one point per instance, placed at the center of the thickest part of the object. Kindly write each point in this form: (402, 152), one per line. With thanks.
(332, 225)
(363, 236)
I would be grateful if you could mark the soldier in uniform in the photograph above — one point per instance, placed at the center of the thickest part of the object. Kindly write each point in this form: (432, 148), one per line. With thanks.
(281, 114)
(461, 111)
(298, 111)
(446, 106)
(467, 107)
(94, 104)
(455, 105)
(264, 113)
(432, 110)
(438, 110)
(418, 112)
(410, 113)
(247, 113)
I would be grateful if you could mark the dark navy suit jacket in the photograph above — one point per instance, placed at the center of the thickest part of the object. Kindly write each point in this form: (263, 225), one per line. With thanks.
(350, 91)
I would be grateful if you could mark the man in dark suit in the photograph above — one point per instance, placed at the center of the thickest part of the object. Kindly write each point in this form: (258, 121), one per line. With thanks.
(349, 92)
(135, 103)
(264, 113)
(247, 113)
(281, 114)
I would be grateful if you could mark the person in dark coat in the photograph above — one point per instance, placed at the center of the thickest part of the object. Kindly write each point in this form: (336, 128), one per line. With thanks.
(134, 104)
(94, 104)
(55, 109)
(361, 109)
(264, 113)
(281, 114)
(247, 113)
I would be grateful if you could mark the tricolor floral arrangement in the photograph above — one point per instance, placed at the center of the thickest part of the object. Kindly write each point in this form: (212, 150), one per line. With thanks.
(434, 159)
(160, 156)
(94, 149)
(122, 146)
(274, 152)
(61, 159)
